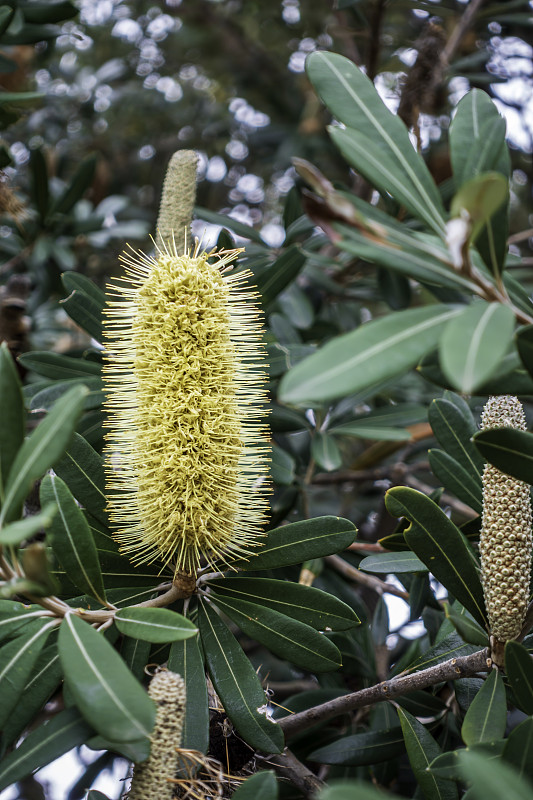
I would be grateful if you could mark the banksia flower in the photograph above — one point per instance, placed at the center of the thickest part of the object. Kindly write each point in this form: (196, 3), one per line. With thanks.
(505, 541)
(187, 454)
(177, 202)
(154, 778)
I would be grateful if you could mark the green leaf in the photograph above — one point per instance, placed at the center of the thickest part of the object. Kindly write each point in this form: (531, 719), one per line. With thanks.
(237, 684)
(519, 669)
(453, 429)
(301, 541)
(12, 415)
(136, 655)
(374, 352)
(81, 181)
(456, 479)
(524, 345)
(474, 344)
(272, 281)
(71, 539)
(59, 367)
(94, 794)
(186, 659)
(282, 467)
(311, 606)
(508, 449)
(82, 469)
(353, 790)
(261, 786)
(518, 749)
(109, 697)
(45, 445)
(229, 222)
(16, 532)
(45, 398)
(157, 625)
(353, 100)
(14, 615)
(392, 563)
(39, 182)
(285, 637)
(44, 679)
(361, 748)
(486, 717)
(17, 659)
(85, 311)
(492, 778)
(441, 546)
(43, 745)
(421, 750)
(76, 281)
(466, 627)
(325, 451)
(385, 423)
(480, 197)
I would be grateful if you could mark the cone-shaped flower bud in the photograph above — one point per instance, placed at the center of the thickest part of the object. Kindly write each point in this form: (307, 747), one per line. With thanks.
(505, 541)
(187, 450)
(177, 201)
(153, 779)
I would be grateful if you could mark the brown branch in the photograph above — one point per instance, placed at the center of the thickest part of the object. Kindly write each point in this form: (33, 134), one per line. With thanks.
(370, 581)
(461, 667)
(287, 766)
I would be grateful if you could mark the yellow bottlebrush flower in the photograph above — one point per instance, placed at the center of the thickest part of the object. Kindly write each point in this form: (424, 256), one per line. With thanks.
(154, 778)
(187, 451)
(506, 540)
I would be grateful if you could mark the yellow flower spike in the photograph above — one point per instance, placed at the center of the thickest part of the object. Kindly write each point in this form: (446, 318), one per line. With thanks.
(187, 451)
(154, 778)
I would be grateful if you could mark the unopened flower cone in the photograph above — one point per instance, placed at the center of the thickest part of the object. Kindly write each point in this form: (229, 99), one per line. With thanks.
(506, 540)
(186, 448)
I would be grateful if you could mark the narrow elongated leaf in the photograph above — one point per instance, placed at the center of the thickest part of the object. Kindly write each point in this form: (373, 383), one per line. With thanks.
(186, 659)
(71, 539)
(45, 445)
(379, 433)
(466, 627)
(229, 222)
(272, 281)
(85, 311)
(474, 344)
(44, 744)
(82, 469)
(519, 669)
(518, 749)
(393, 562)
(325, 451)
(58, 366)
(353, 100)
(453, 428)
(510, 450)
(378, 167)
(421, 750)
(456, 479)
(480, 197)
(441, 546)
(109, 697)
(285, 637)
(76, 281)
(311, 606)
(452, 646)
(136, 655)
(301, 541)
(375, 352)
(44, 399)
(282, 467)
(362, 748)
(237, 684)
(157, 625)
(261, 786)
(12, 415)
(17, 659)
(486, 718)
(44, 679)
(80, 182)
(492, 778)
(17, 531)
(14, 615)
